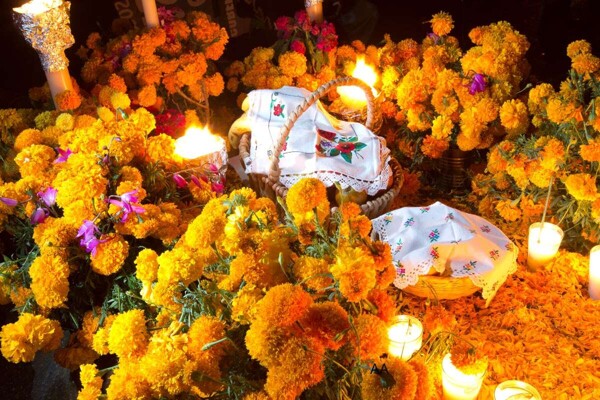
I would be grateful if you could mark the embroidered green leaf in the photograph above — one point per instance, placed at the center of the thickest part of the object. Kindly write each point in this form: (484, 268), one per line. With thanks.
(347, 157)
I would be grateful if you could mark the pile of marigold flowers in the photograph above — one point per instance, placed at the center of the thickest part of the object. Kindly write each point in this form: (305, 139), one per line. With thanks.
(560, 155)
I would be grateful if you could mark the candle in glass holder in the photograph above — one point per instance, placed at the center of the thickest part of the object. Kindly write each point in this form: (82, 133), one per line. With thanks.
(45, 25)
(203, 151)
(515, 390)
(544, 241)
(314, 10)
(150, 13)
(406, 336)
(594, 284)
(457, 385)
(353, 96)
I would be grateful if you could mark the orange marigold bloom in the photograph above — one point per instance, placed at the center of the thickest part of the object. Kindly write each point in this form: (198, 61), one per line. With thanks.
(441, 23)
(582, 186)
(110, 254)
(30, 334)
(313, 272)
(354, 269)
(591, 151)
(433, 147)
(324, 321)
(596, 211)
(68, 100)
(585, 63)
(214, 84)
(283, 305)
(91, 383)
(147, 96)
(508, 211)
(514, 116)
(442, 127)
(404, 386)
(117, 83)
(292, 64)
(372, 334)
(578, 47)
(386, 306)
(304, 197)
(49, 280)
(128, 337)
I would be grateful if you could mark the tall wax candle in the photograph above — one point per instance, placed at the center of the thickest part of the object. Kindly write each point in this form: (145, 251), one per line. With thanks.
(150, 13)
(594, 284)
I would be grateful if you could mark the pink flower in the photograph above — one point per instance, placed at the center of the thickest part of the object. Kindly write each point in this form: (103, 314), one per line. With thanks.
(179, 180)
(218, 187)
(298, 47)
(478, 84)
(8, 201)
(89, 241)
(39, 215)
(285, 26)
(127, 204)
(48, 196)
(302, 20)
(63, 155)
(169, 122)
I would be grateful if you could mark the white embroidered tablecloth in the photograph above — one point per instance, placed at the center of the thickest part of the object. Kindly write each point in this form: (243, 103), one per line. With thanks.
(318, 145)
(446, 239)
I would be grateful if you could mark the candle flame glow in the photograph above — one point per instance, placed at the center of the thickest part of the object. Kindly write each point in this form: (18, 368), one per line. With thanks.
(197, 142)
(353, 94)
(35, 7)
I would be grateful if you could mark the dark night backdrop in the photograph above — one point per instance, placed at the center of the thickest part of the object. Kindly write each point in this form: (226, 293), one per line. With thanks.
(549, 25)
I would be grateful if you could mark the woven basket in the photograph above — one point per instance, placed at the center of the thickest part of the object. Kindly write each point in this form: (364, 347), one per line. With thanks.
(269, 185)
(442, 287)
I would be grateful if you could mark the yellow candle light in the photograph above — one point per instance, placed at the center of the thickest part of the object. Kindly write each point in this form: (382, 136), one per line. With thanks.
(515, 390)
(457, 385)
(150, 13)
(353, 96)
(314, 9)
(594, 284)
(45, 25)
(199, 146)
(544, 241)
(406, 336)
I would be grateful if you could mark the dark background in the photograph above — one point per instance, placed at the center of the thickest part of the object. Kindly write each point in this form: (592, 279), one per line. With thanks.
(550, 25)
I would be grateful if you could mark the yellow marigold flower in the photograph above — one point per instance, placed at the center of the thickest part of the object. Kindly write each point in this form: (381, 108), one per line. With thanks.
(370, 339)
(27, 138)
(441, 23)
(203, 331)
(208, 227)
(355, 271)
(146, 264)
(304, 197)
(180, 264)
(541, 177)
(292, 64)
(65, 122)
(72, 356)
(243, 309)
(68, 100)
(117, 83)
(147, 96)
(582, 186)
(405, 381)
(110, 254)
(91, 383)
(35, 159)
(312, 272)
(585, 63)
(49, 280)
(518, 173)
(596, 211)
(283, 305)
(120, 100)
(30, 334)
(128, 337)
(45, 119)
(514, 117)
(578, 47)
(508, 211)
(538, 97)
(442, 127)
(434, 148)
(126, 382)
(591, 151)
(558, 112)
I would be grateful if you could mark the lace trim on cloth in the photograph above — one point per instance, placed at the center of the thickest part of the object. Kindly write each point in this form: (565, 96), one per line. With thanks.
(345, 181)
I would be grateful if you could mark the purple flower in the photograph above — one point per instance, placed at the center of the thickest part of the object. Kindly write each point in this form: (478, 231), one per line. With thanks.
(48, 196)
(179, 180)
(126, 204)
(218, 187)
(433, 37)
(195, 180)
(39, 215)
(477, 84)
(87, 232)
(63, 155)
(8, 201)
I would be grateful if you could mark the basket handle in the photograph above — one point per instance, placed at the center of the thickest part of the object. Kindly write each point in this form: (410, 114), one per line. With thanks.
(275, 171)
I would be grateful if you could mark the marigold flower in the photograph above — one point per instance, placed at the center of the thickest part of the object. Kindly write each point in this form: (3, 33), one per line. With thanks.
(324, 322)
(404, 386)
(585, 63)
(292, 64)
(110, 255)
(434, 148)
(578, 47)
(355, 271)
(508, 211)
(91, 383)
(306, 196)
(49, 280)
(442, 127)
(372, 337)
(514, 116)
(68, 100)
(128, 337)
(146, 264)
(591, 151)
(582, 186)
(30, 334)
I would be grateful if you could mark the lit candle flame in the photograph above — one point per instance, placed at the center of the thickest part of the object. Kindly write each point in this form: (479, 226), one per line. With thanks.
(35, 7)
(353, 95)
(197, 142)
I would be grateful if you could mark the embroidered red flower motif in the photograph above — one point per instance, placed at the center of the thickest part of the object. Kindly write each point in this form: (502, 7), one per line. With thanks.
(277, 110)
(326, 134)
(345, 147)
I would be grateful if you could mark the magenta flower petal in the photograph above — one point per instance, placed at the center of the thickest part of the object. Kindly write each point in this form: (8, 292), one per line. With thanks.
(8, 201)
(195, 180)
(478, 84)
(130, 197)
(48, 196)
(39, 215)
(63, 155)
(179, 180)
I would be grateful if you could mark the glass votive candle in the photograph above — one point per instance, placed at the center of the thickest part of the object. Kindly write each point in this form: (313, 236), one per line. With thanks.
(544, 241)
(594, 283)
(514, 390)
(405, 335)
(457, 385)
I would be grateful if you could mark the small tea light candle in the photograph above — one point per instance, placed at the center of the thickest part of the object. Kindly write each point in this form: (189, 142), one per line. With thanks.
(150, 13)
(594, 284)
(515, 390)
(406, 336)
(353, 96)
(544, 241)
(457, 385)
(198, 146)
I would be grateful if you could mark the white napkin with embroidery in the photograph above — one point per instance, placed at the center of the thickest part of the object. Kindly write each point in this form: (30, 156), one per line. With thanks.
(447, 239)
(318, 145)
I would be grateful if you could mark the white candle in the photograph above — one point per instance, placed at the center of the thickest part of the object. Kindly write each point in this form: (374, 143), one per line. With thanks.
(353, 96)
(594, 284)
(200, 148)
(457, 385)
(150, 13)
(314, 9)
(406, 336)
(515, 390)
(544, 242)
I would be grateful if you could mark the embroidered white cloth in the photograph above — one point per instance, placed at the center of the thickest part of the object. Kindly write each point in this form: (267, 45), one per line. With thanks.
(318, 145)
(444, 238)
